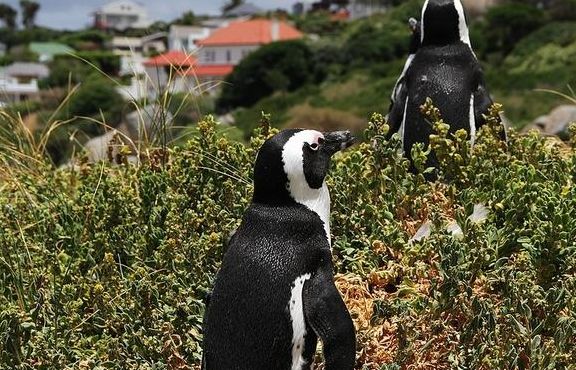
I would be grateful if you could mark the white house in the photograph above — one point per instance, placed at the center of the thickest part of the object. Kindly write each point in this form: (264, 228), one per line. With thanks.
(227, 46)
(19, 81)
(123, 45)
(365, 8)
(121, 15)
(185, 38)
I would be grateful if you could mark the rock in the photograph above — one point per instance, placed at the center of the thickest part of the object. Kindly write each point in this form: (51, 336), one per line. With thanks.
(555, 123)
(108, 146)
(148, 124)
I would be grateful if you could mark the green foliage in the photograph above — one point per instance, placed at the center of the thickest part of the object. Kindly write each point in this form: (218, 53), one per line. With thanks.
(65, 71)
(96, 96)
(507, 24)
(108, 266)
(87, 111)
(187, 19)
(24, 37)
(319, 23)
(86, 40)
(375, 43)
(279, 66)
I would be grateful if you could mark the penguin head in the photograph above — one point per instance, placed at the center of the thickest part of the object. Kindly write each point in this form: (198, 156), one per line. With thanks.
(291, 165)
(443, 22)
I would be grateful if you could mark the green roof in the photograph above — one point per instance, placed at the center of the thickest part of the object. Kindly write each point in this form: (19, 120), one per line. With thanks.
(50, 49)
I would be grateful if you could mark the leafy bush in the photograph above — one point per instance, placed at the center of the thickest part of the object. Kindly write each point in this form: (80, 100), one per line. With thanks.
(507, 24)
(105, 266)
(86, 39)
(279, 66)
(95, 97)
(377, 43)
(319, 23)
(560, 34)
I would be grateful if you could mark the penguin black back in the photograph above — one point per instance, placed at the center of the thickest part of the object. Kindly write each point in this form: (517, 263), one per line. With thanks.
(274, 294)
(445, 69)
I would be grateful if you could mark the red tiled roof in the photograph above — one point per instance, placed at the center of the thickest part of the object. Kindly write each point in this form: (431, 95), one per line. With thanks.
(218, 70)
(171, 58)
(251, 32)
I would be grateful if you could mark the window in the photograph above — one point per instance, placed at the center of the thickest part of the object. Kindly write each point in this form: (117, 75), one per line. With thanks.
(228, 56)
(209, 56)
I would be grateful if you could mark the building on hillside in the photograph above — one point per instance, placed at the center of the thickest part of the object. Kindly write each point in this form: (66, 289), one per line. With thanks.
(227, 46)
(121, 15)
(215, 23)
(152, 44)
(366, 8)
(19, 81)
(172, 71)
(185, 38)
(46, 51)
(243, 10)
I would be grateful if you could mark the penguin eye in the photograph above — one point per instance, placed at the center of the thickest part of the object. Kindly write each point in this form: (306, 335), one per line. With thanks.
(314, 146)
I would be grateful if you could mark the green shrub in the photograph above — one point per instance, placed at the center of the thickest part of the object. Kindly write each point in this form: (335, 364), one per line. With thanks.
(105, 266)
(279, 66)
(378, 43)
(507, 24)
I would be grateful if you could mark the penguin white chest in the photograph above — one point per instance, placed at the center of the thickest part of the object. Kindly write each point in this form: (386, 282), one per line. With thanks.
(296, 308)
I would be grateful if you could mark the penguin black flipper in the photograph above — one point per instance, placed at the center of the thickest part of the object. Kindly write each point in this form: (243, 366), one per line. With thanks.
(326, 313)
(397, 109)
(482, 104)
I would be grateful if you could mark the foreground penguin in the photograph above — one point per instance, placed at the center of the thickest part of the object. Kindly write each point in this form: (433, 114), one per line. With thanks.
(445, 69)
(275, 295)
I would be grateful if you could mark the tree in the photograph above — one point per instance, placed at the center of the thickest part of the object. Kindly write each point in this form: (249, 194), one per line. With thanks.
(231, 4)
(8, 16)
(29, 11)
(509, 23)
(187, 19)
(279, 66)
(564, 10)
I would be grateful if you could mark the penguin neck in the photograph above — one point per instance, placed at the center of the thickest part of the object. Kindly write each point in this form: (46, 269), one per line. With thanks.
(316, 200)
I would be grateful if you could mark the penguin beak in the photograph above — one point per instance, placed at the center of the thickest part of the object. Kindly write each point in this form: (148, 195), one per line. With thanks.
(336, 141)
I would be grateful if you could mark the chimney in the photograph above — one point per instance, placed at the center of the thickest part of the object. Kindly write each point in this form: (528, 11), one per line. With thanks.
(275, 30)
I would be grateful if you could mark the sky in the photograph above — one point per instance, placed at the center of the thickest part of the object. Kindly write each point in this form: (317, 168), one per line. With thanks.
(75, 14)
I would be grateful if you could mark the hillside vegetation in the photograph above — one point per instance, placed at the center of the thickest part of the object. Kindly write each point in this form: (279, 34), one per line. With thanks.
(521, 48)
(107, 266)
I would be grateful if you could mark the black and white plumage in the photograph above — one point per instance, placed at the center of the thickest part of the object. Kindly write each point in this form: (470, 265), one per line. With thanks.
(275, 295)
(445, 69)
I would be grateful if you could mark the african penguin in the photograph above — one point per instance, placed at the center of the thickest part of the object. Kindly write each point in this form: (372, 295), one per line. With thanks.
(445, 69)
(274, 295)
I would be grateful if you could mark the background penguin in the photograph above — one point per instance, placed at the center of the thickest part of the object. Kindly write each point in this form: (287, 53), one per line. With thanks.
(275, 293)
(445, 69)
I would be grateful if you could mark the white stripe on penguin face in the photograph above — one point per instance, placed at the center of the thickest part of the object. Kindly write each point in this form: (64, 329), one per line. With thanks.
(462, 25)
(424, 7)
(317, 200)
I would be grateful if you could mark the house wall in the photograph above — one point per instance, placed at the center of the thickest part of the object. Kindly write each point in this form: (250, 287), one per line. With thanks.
(122, 15)
(361, 9)
(188, 41)
(12, 90)
(224, 54)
